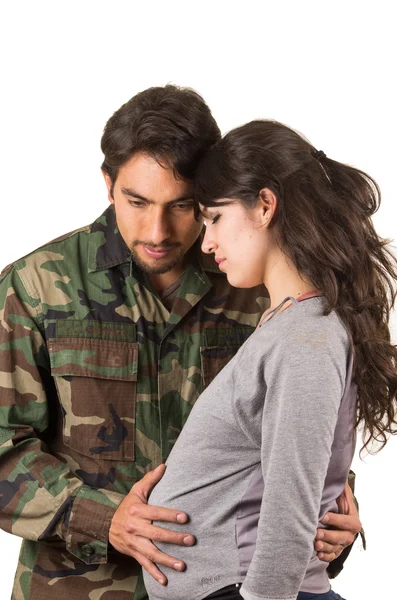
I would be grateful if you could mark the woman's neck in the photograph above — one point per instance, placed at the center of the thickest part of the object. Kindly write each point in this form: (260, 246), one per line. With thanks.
(282, 279)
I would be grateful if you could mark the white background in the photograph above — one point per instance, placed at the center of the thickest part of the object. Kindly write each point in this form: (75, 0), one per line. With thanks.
(327, 69)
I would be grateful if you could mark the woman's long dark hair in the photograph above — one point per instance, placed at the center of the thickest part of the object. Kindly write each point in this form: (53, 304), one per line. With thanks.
(324, 224)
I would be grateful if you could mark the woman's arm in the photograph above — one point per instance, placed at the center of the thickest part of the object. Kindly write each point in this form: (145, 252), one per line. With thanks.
(305, 379)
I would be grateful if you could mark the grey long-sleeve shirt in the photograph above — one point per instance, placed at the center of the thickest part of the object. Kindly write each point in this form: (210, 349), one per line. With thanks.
(264, 454)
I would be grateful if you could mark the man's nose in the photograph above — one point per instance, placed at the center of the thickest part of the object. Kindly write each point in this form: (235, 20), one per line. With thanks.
(160, 227)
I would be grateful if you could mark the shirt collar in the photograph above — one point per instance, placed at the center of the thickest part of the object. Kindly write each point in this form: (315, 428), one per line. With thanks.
(106, 247)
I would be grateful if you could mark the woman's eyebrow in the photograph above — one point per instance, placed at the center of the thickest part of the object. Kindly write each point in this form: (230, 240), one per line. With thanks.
(205, 212)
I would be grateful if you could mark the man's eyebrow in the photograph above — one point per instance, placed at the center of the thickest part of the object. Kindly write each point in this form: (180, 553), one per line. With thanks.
(133, 194)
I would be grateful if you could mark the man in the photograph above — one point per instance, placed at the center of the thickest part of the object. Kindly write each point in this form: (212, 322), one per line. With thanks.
(107, 337)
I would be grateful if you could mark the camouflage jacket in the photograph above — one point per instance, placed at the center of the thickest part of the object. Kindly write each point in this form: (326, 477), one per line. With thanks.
(97, 379)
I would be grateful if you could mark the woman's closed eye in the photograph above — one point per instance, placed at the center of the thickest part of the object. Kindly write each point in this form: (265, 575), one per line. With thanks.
(212, 219)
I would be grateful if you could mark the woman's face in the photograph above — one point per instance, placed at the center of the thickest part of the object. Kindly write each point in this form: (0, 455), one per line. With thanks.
(240, 240)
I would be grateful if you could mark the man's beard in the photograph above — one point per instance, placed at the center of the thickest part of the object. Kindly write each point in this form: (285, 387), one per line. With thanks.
(165, 267)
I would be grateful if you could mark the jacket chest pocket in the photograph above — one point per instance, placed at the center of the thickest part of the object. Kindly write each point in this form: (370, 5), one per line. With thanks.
(96, 382)
(222, 345)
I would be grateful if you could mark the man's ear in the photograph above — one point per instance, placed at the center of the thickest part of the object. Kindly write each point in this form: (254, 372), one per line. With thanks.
(267, 206)
(109, 186)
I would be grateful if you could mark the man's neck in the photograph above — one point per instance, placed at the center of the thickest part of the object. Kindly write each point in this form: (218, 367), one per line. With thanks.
(163, 281)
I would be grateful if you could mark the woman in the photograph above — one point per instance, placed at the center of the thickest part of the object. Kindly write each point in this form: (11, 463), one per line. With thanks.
(268, 446)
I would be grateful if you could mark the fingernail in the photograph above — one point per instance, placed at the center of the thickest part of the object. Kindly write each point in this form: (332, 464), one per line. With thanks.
(325, 519)
(320, 535)
(162, 581)
(188, 540)
(178, 566)
(320, 546)
(181, 518)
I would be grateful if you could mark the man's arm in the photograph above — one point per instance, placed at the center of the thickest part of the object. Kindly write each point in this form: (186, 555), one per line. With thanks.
(40, 498)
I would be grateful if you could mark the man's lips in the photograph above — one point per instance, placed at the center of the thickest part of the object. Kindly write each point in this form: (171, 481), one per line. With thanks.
(158, 252)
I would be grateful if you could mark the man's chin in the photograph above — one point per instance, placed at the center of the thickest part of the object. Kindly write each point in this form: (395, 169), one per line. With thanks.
(157, 266)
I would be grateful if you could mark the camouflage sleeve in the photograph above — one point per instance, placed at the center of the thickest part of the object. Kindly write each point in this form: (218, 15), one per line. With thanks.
(40, 497)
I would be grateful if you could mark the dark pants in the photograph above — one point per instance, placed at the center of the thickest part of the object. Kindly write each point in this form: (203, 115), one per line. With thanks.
(228, 593)
(231, 592)
(331, 595)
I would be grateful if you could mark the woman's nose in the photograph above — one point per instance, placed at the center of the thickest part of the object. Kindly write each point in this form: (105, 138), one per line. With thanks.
(208, 245)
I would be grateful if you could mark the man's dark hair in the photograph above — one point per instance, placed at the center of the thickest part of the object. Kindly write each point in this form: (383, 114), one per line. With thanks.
(172, 124)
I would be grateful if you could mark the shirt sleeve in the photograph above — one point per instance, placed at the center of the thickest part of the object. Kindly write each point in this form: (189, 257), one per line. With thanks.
(305, 378)
(40, 497)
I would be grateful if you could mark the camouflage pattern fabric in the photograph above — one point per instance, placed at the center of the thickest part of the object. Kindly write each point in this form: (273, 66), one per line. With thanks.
(97, 379)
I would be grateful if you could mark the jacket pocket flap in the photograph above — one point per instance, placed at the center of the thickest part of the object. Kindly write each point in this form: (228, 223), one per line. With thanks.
(87, 357)
(227, 336)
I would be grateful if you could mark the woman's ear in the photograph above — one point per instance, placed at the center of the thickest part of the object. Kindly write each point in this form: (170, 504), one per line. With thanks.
(267, 206)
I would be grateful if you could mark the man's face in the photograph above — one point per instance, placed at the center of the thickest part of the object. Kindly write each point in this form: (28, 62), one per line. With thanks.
(154, 213)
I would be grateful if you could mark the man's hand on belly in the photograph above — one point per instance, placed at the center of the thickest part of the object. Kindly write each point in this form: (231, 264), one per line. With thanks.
(345, 525)
(132, 532)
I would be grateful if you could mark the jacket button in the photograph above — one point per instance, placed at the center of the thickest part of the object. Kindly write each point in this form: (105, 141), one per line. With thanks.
(87, 550)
